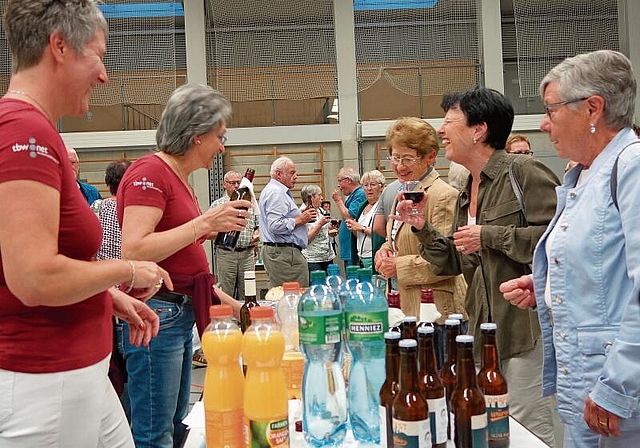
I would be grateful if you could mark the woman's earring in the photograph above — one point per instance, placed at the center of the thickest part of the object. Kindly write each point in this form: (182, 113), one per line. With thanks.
(197, 141)
(592, 128)
(475, 140)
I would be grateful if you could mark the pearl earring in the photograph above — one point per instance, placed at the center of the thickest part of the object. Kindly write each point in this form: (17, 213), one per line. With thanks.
(197, 141)
(475, 140)
(592, 128)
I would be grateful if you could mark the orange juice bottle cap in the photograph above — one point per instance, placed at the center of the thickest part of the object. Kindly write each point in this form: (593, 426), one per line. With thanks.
(222, 310)
(291, 286)
(261, 312)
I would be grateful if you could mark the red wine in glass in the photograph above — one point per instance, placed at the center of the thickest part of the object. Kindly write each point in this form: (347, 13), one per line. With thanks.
(414, 196)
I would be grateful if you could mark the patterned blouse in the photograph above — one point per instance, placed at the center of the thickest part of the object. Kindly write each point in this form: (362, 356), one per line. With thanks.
(111, 235)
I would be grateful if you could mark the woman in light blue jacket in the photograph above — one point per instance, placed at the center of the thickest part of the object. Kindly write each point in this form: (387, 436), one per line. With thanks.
(586, 267)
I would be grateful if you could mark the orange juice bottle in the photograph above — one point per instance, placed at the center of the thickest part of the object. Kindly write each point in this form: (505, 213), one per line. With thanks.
(266, 407)
(224, 381)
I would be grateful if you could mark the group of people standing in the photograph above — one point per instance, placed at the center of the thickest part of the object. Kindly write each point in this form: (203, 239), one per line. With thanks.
(578, 308)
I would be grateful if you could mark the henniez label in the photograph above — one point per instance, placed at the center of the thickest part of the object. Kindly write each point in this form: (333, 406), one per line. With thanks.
(363, 327)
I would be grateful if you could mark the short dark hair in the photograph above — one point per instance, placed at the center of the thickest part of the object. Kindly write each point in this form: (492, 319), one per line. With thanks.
(483, 105)
(113, 174)
(323, 203)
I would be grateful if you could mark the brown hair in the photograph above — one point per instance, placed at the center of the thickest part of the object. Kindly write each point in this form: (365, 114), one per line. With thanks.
(413, 133)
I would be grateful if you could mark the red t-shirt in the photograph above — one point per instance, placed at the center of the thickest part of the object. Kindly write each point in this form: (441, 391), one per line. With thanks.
(151, 182)
(44, 339)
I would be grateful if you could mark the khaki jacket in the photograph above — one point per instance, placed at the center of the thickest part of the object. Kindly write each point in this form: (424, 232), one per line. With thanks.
(413, 271)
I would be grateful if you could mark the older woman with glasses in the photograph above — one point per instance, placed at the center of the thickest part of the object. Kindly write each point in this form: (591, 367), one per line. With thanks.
(586, 267)
(161, 220)
(364, 241)
(319, 252)
(413, 147)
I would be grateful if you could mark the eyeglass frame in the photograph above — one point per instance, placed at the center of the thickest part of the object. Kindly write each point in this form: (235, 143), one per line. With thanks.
(233, 182)
(522, 153)
(548, 107)
(406, 160)
(223, 139)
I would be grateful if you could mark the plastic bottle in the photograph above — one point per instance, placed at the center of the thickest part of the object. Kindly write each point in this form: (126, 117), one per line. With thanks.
(432, 387)
(324, 415)
(366, 316)
(468, 408)
(230, 239)
(249, 299)
(494, 387)
(334, 280)
(292, 361)
(266, 408)
(224, 382)
(448, 371)
(389, 388)
(410, 411)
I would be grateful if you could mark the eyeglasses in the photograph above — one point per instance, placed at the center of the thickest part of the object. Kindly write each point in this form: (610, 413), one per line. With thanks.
(233, 182)
(549, 108)
(524, 153)
(406, 160)
(377, 184)
(342, 179)
(223, 139)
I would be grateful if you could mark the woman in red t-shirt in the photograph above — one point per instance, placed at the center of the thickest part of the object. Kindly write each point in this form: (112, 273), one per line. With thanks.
(55, 302)
(161, 221)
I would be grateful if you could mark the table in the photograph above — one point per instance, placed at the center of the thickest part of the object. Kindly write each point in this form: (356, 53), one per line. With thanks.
(521, 437)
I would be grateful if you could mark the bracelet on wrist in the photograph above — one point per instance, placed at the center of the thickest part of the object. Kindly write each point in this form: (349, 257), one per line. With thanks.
(133, 276)
(195, 231)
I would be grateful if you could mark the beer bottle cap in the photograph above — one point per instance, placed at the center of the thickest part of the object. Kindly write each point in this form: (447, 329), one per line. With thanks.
(488, 326)
(456, 316)
(426, 329)
(410, 319)
(451, 322)
(408, 343)
(392, 335)
(463, 338)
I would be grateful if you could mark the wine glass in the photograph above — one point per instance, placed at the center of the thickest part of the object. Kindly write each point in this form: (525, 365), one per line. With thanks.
(413, 192)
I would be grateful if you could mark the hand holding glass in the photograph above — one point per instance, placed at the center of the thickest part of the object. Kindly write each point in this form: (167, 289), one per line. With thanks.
(413, 192)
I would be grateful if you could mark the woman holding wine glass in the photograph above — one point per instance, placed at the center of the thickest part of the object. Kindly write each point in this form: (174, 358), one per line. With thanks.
(413, 147)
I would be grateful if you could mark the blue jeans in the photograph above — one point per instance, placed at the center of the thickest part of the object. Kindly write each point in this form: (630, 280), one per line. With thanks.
(160, 378)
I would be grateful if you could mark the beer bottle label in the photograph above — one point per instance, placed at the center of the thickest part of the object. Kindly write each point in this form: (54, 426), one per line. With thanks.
(412, 434)
(438, 419)
(318, 328)
(364, 327)
(267, 433)
(479, 431)
(382, 412)
(498, 416)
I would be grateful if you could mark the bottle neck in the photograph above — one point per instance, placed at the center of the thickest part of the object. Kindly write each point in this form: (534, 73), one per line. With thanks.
(452, 332)
(465, 367)
(249, 290)
(392, 360)
(427, 354)
(408, 379)
(489, 351)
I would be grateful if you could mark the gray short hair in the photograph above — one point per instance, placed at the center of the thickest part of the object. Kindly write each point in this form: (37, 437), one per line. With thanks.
(29, 23)
(308, 191)
(192, 110)
(606, 73)
(375, 176)
(350, 173)
(230, 173)
(279, 164)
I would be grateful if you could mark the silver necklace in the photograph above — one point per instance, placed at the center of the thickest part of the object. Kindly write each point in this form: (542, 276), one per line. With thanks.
(20, 92)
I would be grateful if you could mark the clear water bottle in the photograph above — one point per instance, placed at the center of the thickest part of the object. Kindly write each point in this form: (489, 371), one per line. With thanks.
(292, 361)
(366, 316)
(324, 414)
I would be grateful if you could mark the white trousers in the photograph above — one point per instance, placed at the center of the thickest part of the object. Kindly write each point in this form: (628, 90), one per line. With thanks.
(77, 408)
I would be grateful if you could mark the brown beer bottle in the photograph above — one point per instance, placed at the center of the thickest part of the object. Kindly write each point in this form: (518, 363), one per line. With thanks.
(249, 299)
(410, 328)
(448, 371)
(432, 387)
(468, 409)
(494, 387)
(228, 240)
(409, 411)
(389, 387)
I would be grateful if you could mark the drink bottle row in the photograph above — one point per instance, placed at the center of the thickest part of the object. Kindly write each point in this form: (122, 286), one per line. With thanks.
(331, 347)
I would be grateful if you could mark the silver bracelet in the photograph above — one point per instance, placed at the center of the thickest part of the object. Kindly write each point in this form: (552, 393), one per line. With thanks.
(133, 276)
